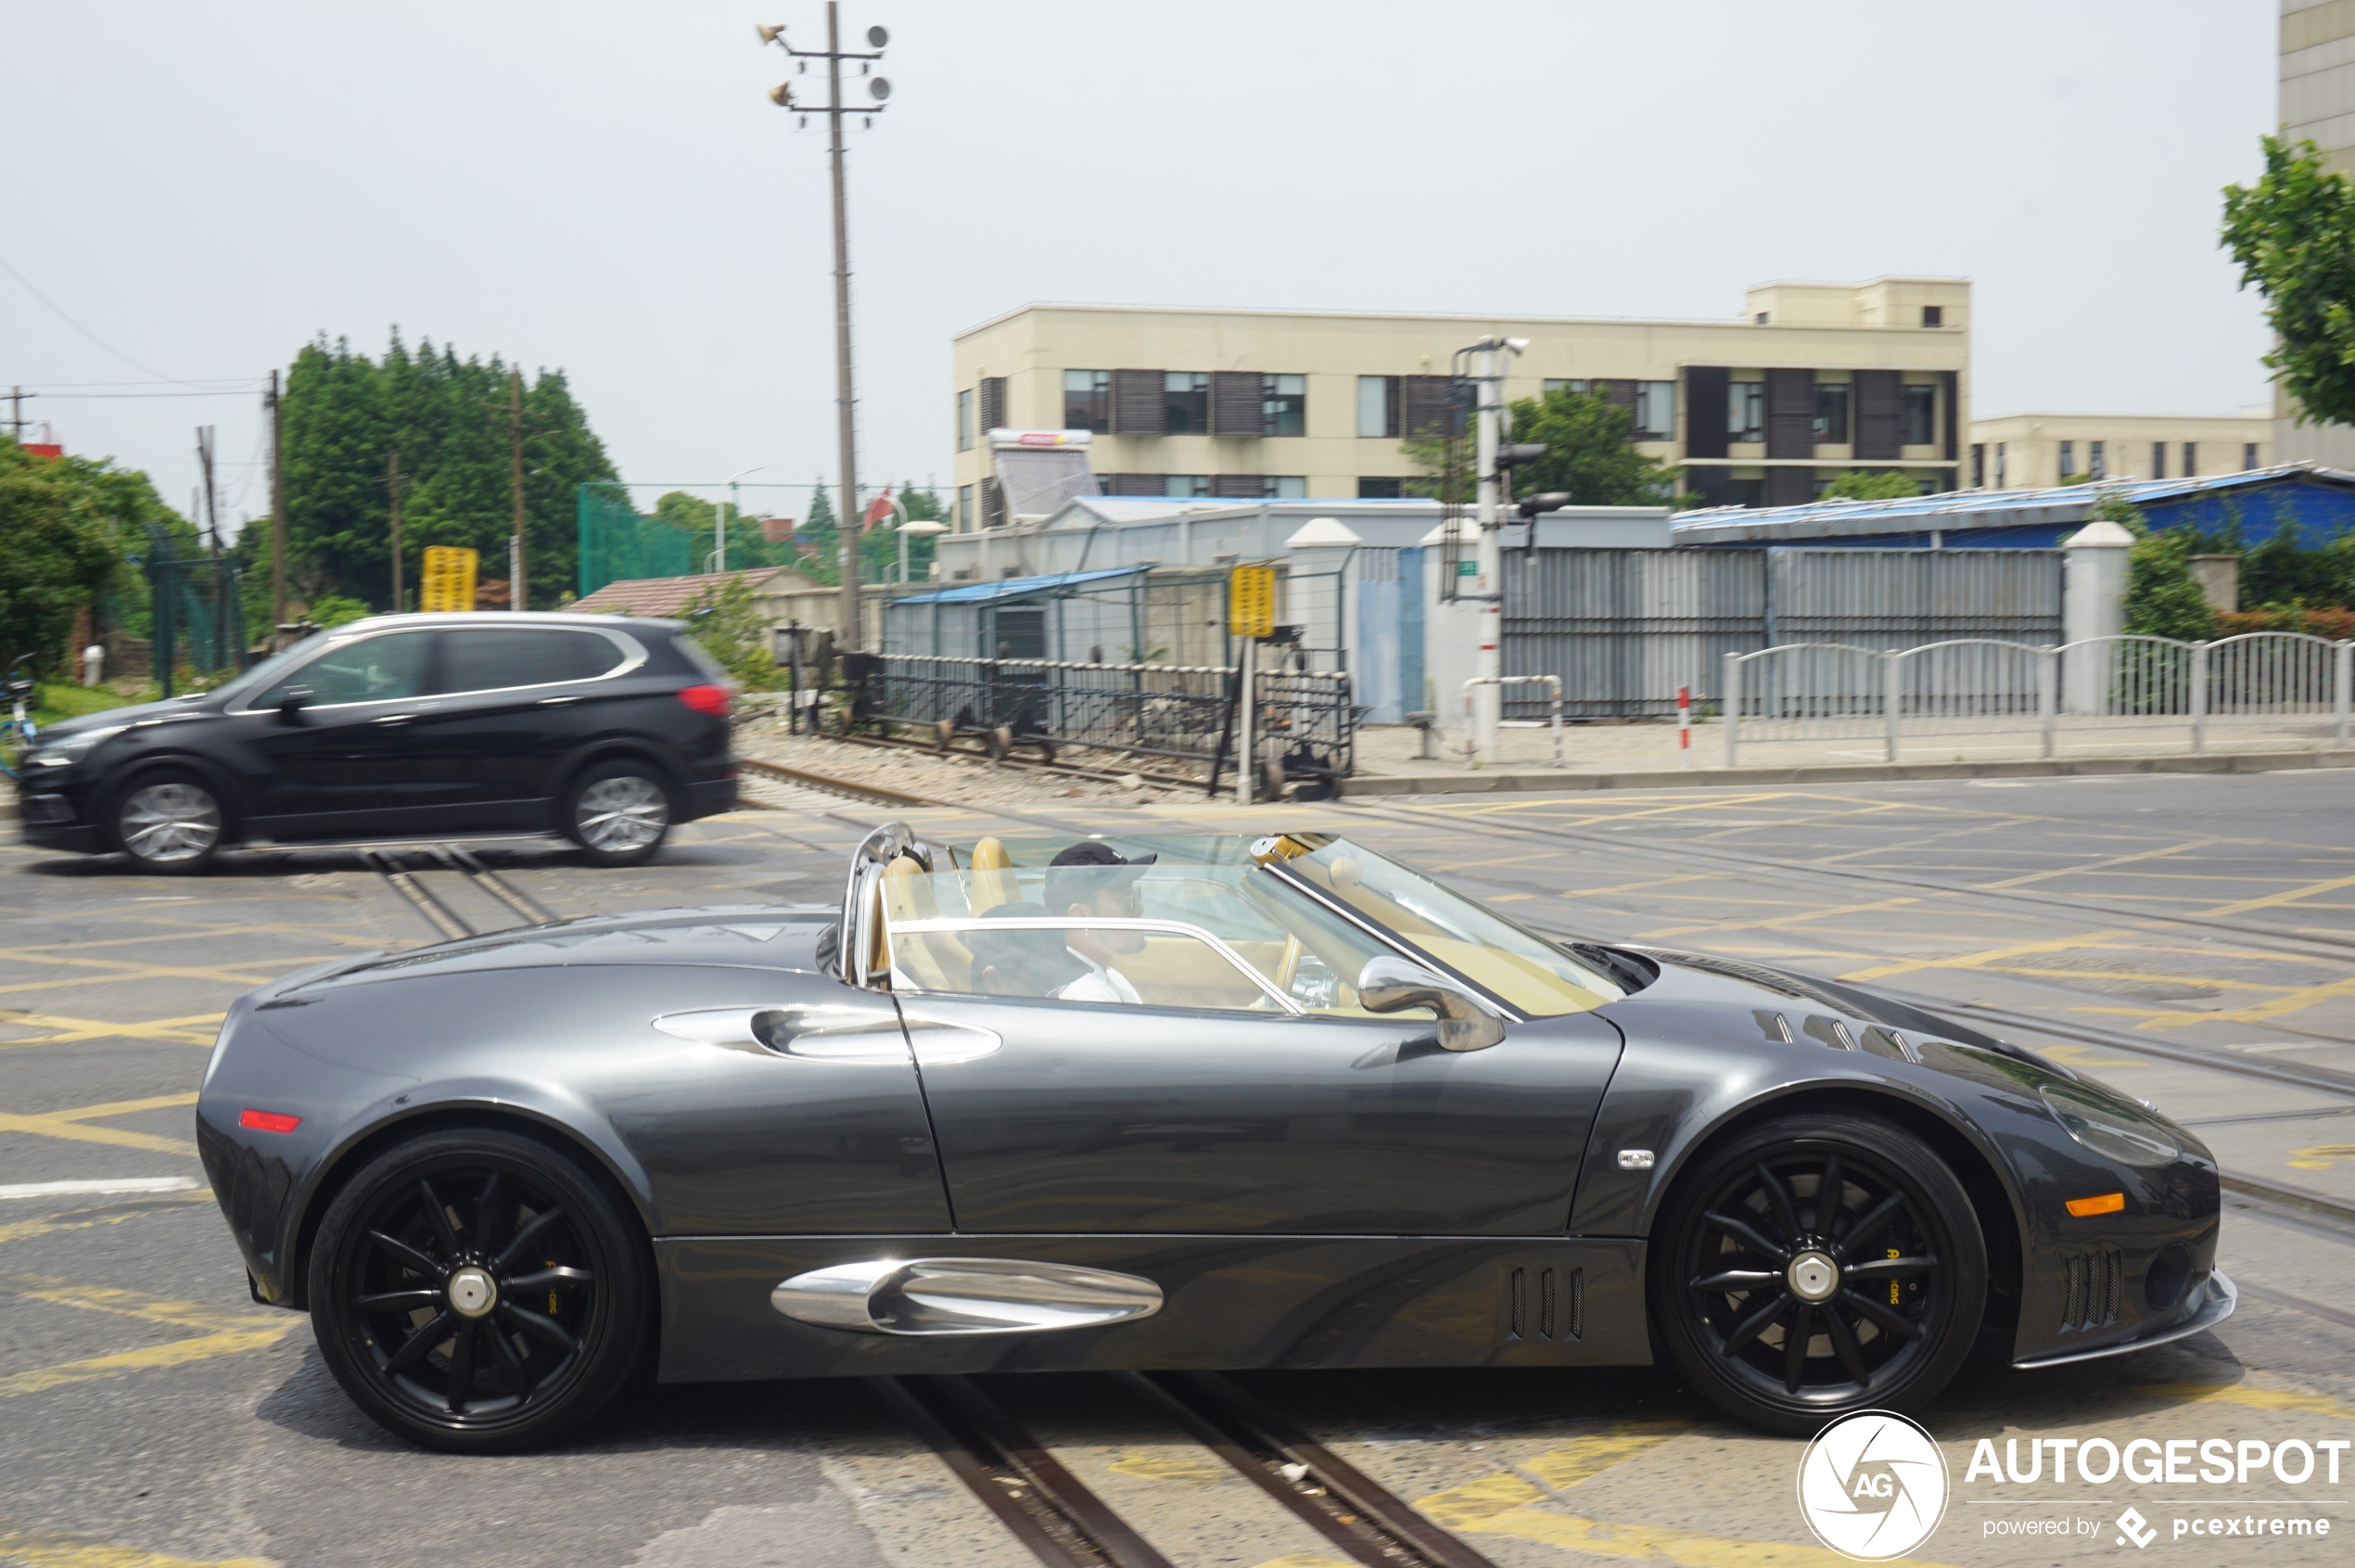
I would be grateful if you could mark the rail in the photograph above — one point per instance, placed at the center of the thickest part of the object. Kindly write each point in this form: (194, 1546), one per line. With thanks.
(1553, 684)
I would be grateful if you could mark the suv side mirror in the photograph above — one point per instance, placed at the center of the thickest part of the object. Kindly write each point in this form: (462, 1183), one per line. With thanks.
(1465, 1020)
(290, 706)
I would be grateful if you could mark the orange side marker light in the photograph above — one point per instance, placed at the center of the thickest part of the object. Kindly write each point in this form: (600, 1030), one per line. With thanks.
(273, 1121)
(2108, 1203)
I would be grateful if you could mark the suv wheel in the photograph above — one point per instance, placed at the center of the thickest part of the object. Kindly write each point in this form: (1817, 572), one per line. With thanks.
(169, 823)
(618, 812)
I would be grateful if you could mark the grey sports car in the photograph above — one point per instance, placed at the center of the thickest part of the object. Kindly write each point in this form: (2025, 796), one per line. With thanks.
(1163, 1102)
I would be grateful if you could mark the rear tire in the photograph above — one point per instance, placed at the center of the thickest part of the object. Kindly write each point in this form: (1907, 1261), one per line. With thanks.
(478, 1292)
(1787, 1311)
(169, 823)
(618, 812)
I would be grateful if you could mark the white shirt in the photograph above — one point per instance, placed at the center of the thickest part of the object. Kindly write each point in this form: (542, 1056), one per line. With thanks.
(1100, 984)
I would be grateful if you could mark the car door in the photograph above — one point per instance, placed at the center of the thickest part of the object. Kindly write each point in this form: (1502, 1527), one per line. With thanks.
(1210, 1107)
(516, 701)
(346, 762)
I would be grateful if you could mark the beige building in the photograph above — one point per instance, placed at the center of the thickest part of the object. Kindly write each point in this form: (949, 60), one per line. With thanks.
(2026, 451)
(1764, 409)
(2316, 103)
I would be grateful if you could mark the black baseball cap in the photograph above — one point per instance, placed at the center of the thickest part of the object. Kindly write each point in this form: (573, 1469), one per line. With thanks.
(1087, 868)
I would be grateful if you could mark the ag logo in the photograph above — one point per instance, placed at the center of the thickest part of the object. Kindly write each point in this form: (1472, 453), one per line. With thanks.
(1872, 1485)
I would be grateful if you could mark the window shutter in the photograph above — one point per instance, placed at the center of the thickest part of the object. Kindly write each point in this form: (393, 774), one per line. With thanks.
(1790, 418)
(1138, 407)
(1705, 410)
(993, 500)
(993, 404)
(1880, 415)
(1239, 487)
(1236, 400)
(1136, 484)
(1425, 401)
(1946, 384)
(1789, 487)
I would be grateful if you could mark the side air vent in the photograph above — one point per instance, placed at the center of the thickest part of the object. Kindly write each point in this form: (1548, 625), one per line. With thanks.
(2094, 1285)
(1546, 1304)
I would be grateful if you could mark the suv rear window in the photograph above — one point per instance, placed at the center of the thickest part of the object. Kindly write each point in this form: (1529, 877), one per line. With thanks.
(486, 659)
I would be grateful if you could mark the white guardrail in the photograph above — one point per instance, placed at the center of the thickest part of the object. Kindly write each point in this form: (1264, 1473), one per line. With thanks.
(1553, 684)
(2122, 687)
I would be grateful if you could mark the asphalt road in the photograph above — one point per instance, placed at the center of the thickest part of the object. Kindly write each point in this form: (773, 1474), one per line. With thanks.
(151, 1415)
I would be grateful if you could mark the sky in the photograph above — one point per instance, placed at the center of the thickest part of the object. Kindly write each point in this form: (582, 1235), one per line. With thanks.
(605, 188)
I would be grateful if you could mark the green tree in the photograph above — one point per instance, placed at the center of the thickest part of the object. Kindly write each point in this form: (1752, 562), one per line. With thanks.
(63, 547)
(1857, 484)
(724, 618)
(748, 544)
(1589, 454)
(2161, 598)
(819, 529)
(345, 413)
(2293, 232)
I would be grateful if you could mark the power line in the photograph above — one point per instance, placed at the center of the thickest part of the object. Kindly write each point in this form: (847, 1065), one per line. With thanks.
(56, 310)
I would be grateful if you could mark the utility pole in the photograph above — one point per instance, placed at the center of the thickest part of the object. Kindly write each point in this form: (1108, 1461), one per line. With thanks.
(853, 518)
(1489, 583)
(17, 396)
(518, 595)
(394, 484)
(211, 504)
(277, 518)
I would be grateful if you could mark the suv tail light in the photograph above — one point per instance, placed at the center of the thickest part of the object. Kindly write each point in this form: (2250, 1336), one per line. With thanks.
(706, 699)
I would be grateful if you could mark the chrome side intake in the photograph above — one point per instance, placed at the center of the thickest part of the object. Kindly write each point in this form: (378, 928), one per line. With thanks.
(963, 1296)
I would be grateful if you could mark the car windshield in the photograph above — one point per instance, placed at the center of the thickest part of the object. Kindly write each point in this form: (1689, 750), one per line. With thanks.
(263, 676)
(1176, 932)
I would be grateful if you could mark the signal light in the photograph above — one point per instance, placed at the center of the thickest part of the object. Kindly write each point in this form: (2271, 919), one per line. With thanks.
(2107, 1202)
(706, 699)
(268, 1121)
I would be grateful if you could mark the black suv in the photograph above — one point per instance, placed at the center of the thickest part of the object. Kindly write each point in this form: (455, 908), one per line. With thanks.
(413, 726)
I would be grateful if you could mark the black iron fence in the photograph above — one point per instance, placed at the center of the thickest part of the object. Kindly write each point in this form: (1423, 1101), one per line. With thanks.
(1183, 713)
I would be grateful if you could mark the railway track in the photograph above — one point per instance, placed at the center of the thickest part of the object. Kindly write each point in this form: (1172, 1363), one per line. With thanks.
(398, 868)
(1065, 1524)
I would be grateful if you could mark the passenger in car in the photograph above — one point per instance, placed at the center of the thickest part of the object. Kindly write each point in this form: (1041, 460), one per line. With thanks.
(1093, 881)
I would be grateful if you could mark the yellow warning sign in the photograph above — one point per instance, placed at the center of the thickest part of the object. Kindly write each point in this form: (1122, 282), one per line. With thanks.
(449, 579)
(1250, 601)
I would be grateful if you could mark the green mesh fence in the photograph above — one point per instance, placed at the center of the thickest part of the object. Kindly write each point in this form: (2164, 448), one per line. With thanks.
(620, 543)
(195, 613)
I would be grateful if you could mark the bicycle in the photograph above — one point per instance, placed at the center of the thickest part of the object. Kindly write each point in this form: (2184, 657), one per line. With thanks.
(17, 731)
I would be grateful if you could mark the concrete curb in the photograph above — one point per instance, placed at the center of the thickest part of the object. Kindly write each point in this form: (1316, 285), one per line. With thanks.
(1369, 784)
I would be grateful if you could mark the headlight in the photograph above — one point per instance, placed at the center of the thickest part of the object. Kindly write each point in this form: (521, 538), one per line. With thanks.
(2112, 1129)
(73, 747)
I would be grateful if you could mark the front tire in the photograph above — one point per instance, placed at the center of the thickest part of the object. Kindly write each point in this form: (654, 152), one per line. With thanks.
(618, 812)
(1815, 1265)
(478, 1292)
(169, 823)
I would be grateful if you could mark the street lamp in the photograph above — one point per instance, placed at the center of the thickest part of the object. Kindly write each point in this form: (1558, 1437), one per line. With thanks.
(920, 527)
(719, 528)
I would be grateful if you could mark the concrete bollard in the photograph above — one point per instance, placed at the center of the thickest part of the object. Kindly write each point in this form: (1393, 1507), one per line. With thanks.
(2092, 606)
(93, 664)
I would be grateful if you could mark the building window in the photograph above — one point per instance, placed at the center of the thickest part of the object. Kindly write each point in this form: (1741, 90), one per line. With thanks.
(1185, 485)
(1921, 415)
(2097, 459)
(1184, 397)
(1933, 315)
(2191, 459)
(1378, 406)
(1746, 413)
(966, 520)
(1371, 488)
(2248, 455)
(965, 421)
(1762, 317)
(1655, 410)
(1831, 413)
(2159, 460)
(1087, 399)
(1288, 487)
(1978, 466)
(1283, 405)
(2002, 466)
(2068, 461)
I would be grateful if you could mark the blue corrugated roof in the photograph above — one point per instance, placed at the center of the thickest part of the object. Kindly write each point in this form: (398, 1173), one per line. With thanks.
(1979, 508)
(1012, 587)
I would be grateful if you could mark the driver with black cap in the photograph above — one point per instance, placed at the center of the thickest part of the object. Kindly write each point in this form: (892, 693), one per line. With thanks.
(1092, 880)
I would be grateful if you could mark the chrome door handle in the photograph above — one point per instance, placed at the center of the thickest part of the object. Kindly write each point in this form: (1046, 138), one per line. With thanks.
(819, 1034)
(555, 701)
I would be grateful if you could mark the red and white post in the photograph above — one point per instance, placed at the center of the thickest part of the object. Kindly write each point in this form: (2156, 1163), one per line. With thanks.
(1685, 725)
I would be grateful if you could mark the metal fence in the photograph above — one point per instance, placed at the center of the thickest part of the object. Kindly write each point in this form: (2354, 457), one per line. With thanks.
(1624, 629)
(1813, 693)
(1303, 720)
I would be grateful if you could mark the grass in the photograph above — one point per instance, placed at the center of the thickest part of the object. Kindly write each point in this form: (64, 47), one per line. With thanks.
(53, 705)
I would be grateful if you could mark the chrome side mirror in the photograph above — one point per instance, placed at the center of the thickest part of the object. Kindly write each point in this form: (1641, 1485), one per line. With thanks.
(1465, 1020)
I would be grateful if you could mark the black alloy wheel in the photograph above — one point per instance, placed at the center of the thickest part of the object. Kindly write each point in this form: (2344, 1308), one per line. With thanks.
(476, 1291)
(1818, 1265)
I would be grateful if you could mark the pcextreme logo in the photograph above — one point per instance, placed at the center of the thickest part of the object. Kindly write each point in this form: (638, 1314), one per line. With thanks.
(1872, 1485)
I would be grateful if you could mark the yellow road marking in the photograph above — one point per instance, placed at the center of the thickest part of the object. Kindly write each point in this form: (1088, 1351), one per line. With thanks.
(70, 1125)
(2102, 865)
(1304, 1559)
(2255, 1012)
(49, 1548)
(88, 1219)
(1785, 919)
(218, 1332)
(1576, 1460)
(194, 1029)
(2287, 896)
(2242, 1393)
